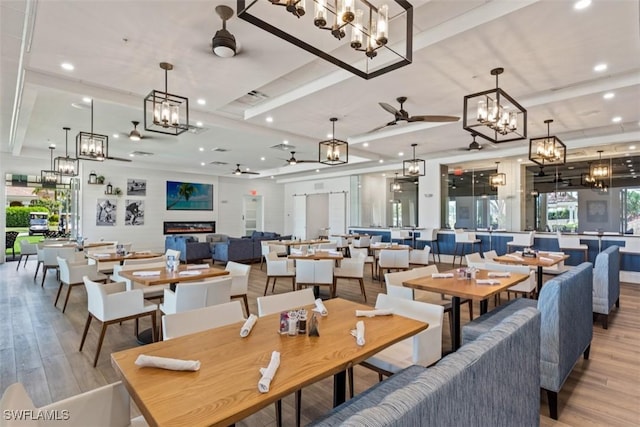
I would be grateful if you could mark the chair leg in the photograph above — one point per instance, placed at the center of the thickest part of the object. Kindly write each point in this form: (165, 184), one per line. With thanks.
(44, 275)
(37, 268)
(246, 304)
(293, 282)
(58, 294)
(364, 292)
(333, 288)
(66, 300)
(100, 340)
(618, 303)
(266, 286)
(470, 309)
(552, 397)
(350, 380)
(279, 413)
(86, 329)
(261, 262)
(136, 329)
(298, 400)
(586, 352)
(20, 259)
(154, 328)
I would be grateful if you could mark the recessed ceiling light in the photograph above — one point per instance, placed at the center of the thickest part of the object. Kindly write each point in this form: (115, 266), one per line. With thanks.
(271, 176)
(616, 119)
(381, 161)
(285, 142)
(262, 158)
(329, 135)
(581, 4)
(400, 154)
(366, 144)
(86, 99)
(317, 170)
(269, 119)
(519, 160)
(628, 160)
(202, 163)
(630, 165)
(131, 155)
(609, 95)
(632, 147)
(571, 168)
(600, 67)
(199, 124)
(201, 149)
(631, 170)
(384, 174)
(67, 66)
(202, 101)
(115, 135)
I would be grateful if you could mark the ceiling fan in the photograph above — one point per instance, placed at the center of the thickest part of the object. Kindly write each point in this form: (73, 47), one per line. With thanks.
(134, 134)
(402, 115)
(293, 161)
(239, 171)
(476, 146)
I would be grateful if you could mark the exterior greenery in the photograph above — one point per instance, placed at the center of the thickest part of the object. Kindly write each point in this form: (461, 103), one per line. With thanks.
(19, 216)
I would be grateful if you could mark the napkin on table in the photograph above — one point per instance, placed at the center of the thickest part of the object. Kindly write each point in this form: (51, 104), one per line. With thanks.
(499, 274)
(248, 325)
(146, 273)
(487, 282)
(320, 308)
(372, 313)
(188, 273)
(197, 266)
(358, 332)
(556, 254)
(442, 275)
(167, 363)
(102, 255)
(295, 251)
(269, 372)
(545, 259)
(516, 257)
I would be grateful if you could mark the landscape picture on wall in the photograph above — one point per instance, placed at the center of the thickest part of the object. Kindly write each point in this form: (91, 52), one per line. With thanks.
(134, 212)
(188, 196)
(106, 212)
(136, 187)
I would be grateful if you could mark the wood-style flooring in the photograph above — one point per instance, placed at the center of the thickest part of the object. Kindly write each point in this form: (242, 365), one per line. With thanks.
(39, 347)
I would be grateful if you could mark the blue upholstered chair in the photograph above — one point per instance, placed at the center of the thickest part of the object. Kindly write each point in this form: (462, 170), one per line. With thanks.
(606, 284)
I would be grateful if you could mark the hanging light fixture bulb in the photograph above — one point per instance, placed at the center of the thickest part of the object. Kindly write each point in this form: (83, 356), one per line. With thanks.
(498, 178)
(333, 151)
(165, 112)
(66, 166)
(50, 178)
(415, 166)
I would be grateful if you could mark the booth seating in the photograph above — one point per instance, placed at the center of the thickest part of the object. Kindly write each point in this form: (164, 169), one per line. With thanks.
(191, 249)
(565, 304)
(462, 389)
(606, 284)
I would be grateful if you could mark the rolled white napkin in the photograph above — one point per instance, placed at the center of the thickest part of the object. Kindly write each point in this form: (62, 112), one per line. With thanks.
(556, 254)
(295, 251)
(320, 308)
(372, 313)
(499, 274)
(167, 363)
(487, 282)
(248, 325)
(442, 275)
(358, 332)
(269, 372)
(545, 259)
(516, 257)
(146, 273)
(102, 255)
(189, 273)
(197, 266)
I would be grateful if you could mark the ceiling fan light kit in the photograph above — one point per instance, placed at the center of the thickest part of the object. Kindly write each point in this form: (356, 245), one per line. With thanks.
(366, 24)
(134, 135)
(165, 112)
(548, 150)
(494, 115)
(415, 166)
(223, 43)
(333, 151)
(50, 178)
(66, 166)
(92, 146)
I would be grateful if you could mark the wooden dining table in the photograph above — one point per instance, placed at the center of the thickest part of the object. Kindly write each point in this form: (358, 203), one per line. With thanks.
(164, 277)
(549, 260)
(289, 243)
(225, 389)
(121, 258)
(318, 255)
(465, 288)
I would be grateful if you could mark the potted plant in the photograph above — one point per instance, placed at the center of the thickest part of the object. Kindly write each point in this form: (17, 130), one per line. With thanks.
(117, 191)
(100, 179)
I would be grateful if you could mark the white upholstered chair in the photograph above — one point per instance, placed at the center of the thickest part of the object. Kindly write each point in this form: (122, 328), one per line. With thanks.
(489, 255)
(153, 291)
(526, 288)
(362, 242)
(192, 295)
(198, 320)
(368, 259)
(240, 281)
(350, 268)
(424, 348)
(520, 240)
(315, 273)
(572, 243)
(420, 256)
(392, 259)
(72, 273)
(26, 249)
(463, 238)
(474, 260)
(50, 259)
(112, 303)
(106, 406)
(276, 268)
(430, 235)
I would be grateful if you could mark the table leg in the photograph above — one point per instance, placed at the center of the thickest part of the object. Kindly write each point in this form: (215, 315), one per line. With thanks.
(339, 388)
(455, 311)
(484, 305)
(539, 278)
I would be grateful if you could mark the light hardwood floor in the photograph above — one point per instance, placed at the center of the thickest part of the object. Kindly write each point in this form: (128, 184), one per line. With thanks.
(39, 347)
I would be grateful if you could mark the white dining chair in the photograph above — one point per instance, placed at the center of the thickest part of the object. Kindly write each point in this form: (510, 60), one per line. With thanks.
(284, 302)
(430, 236)
(527, 287)
(392, 259)
(368, 259)
(489, 255)
(572, 243)
(192, 295)
(106, 406)
(362, 242)
(420, 256)
(521, 240)
(150, 292)
(424, 348)
(315, 273)
(112, 303)
(474, 260)
(350, 268)
(105, 266)
(189, 322)
(50, 259)
(463, 238)
(72, 273)
(26, 249)
(279, 268)
(240, 281)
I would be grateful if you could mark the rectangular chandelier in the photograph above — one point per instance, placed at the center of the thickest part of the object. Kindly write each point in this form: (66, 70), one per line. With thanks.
(497, 179)
(92, 146)
(547, 151)
(165, 112)
(494, 115)
(415, 166)
(369, 48)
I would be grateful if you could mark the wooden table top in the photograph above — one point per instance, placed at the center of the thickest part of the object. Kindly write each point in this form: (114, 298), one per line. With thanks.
(164, 277)
(301, 242)
(317, 255)
(379, 247)
(225, 389)
(464, 288)
(97, 244)
(532, 262)
(112, 256)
